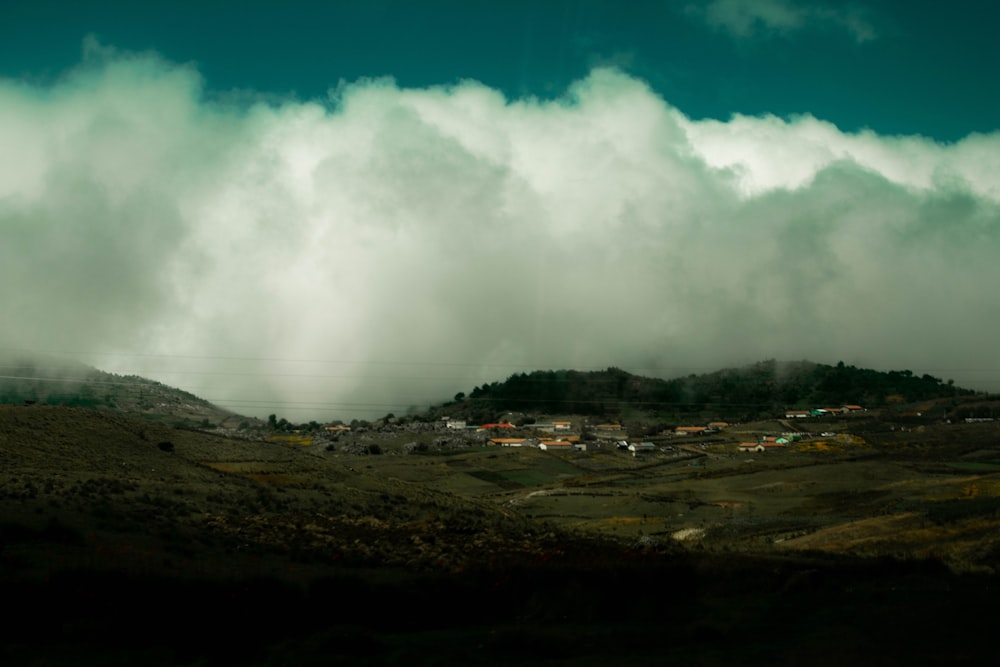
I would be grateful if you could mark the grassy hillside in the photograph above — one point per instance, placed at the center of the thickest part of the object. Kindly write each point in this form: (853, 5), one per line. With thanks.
(101, 473)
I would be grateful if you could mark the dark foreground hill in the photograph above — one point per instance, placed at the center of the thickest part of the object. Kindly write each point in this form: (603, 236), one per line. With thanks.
(128, 542)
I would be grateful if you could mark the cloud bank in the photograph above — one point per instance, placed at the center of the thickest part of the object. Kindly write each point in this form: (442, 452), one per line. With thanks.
(388, 247)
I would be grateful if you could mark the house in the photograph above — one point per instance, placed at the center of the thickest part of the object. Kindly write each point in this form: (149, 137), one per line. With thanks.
(555, 445)
(796, 414)
(751, 447)
(457, 424)
(605, 429)
(641, 448)
(338, 428)
(488, 427)
(541, 426)
(690, 430)
(718, 426)
(507, 442)
(609, 432)
(852, 408)
(562, 426)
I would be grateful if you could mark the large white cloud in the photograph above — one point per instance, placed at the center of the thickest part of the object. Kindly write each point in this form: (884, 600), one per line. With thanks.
(389, 247)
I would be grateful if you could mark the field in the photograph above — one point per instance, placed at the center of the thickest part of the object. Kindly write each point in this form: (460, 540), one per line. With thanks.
(656, 556)
(895, 498)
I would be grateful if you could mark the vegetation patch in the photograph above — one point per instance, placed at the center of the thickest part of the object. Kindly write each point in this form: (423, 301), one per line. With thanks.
(501, 479)
(270, 478)
(976, 466)
(947, 511)
(528, 477)
(291, 440)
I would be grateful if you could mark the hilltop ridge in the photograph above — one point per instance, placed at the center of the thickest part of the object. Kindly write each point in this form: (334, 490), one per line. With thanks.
(47, 380)
(758, 390)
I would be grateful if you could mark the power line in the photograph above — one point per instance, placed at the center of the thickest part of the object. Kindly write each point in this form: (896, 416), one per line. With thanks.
(394, 378)
(402, 363)
(368, 362)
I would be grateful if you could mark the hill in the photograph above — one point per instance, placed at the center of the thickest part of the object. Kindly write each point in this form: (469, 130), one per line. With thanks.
(736, 394)
(36, 379)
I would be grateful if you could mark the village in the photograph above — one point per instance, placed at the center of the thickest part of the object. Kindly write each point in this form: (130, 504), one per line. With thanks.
(577, 434)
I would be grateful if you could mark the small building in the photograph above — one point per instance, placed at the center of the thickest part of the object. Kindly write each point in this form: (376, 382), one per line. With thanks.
(541, 426)
(796, 414)
(751, 447)
(562, 426)
(507, 442)
(637, 448)
(690, 430)
(555, 445)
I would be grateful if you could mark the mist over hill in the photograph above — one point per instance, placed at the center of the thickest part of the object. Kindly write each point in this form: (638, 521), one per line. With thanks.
(742, 393)
(55, 381)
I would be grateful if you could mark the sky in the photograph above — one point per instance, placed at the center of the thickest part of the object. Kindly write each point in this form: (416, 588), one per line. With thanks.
(343, 209)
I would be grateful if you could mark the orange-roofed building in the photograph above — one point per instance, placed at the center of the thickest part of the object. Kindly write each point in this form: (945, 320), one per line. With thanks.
(507, 442)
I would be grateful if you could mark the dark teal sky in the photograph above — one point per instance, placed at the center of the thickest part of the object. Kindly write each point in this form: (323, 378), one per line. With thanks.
(896, 67)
